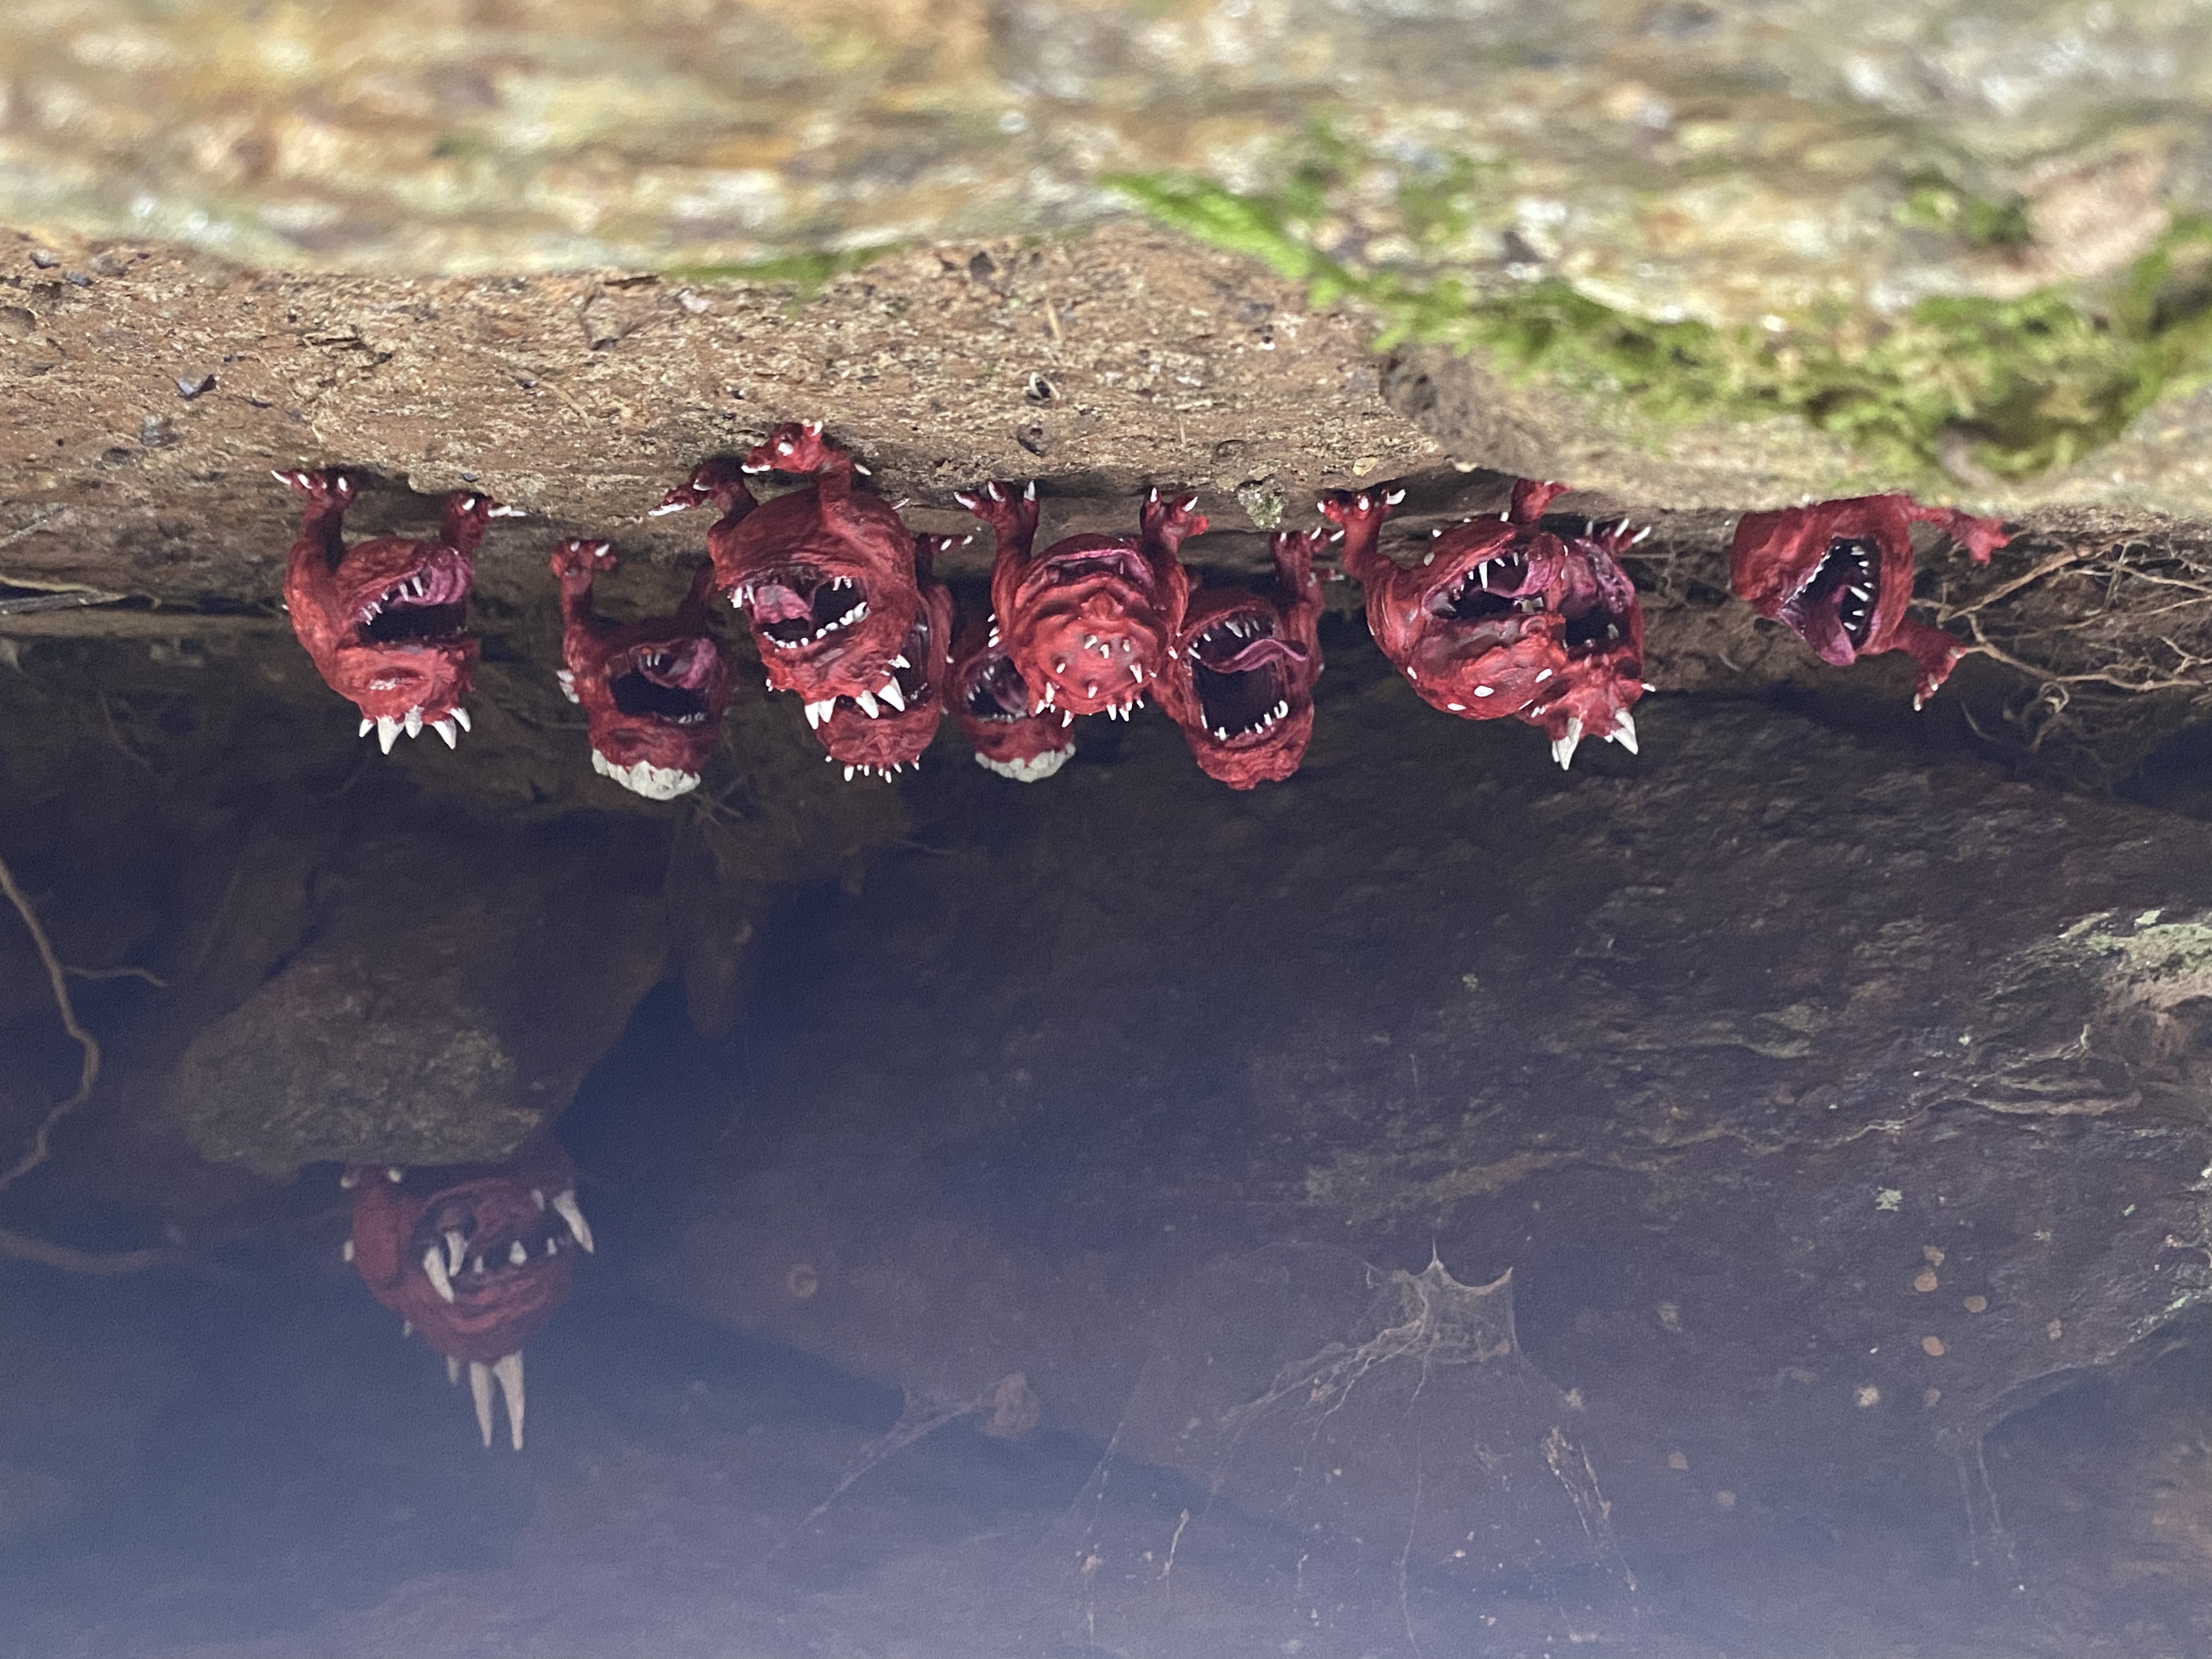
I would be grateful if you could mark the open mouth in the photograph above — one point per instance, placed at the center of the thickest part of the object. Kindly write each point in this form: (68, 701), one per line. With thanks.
(1848, 574)
(797, 608)
(1488, 592)
(1111, 564)
(997, 691)
(654, 688)
(1591, 631)
(429, 606)
(476, 1253)
(1240, 674)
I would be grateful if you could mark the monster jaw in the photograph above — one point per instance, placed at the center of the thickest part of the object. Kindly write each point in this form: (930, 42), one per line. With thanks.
(880, 733)
(1833, 610)
(482, 1257)
(1008, 740)
(799, 606)
(671, 683)
(1481, 605)
(1242, 677)
(421, 608)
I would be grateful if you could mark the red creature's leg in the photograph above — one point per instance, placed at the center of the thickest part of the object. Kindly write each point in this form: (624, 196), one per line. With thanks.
(1168, 524)
(721, 482)
(1530, 497)
(322, 520)
(1009, 509)
(1362, 513)
(928, 548)
(1979, 537)
(799, 447)
(1936, 651)
(1293, 551)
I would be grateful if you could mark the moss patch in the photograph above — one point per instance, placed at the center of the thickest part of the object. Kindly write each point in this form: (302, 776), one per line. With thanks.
(2014, 387)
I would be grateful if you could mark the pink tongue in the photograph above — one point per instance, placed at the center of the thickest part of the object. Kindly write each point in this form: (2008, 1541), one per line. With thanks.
(777, 603)
(1254, 655)
(1824, 632)
(695, 661)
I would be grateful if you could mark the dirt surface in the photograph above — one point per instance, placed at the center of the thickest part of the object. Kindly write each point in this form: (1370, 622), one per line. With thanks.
(1101, 365)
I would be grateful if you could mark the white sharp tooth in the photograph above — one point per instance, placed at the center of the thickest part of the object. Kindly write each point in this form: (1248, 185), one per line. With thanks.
(461, 719)
(1624, 732)
(456, 1248)
(900, 662)
(415, 722)
(1543, 675)
(848, 775)
(445, 729)
(433, 1267)
(346, 1254)
(453, 1369)
(509, 1373)
(395, 1175)
(367, 726)
(518, 1253)
(349, 1180)
(1067, 719)
(552, 1245)
(814, 715)
(565, 1206)
(867, 705)
(1563, 749)
(538, 1197)
(476, 1267)
(480, 1391)
(406, 1329)
(891, 695)
(1485, 690)
(387, 732)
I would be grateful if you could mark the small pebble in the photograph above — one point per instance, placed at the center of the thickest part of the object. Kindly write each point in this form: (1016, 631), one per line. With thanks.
(1976, 1304)
(1676, 1461)
(1924, 1280)
(1934, 1254)
(190, 389)
(1725, 1498)
(1866, 1396)
(1930, 1397)
(1932, 1347)
(2054, 1330)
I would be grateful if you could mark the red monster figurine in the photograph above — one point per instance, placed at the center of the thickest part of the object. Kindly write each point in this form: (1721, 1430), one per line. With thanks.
(1503, 617)
(879, 735)
(653, 692)
(1838, 574)
(476, 1257)
(825, 575)
(1603, 639)
(1240, 678)
(1088, 621)
(991, 705)
(385, 620)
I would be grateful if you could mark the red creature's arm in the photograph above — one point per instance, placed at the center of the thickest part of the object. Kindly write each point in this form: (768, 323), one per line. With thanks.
(576, 562)
(1298, 591)
(1979, 537)
(1362, 513)
(466, 513)
(321, 542)
(1011, 511)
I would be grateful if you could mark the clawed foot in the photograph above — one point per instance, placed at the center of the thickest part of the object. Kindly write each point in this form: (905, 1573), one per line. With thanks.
(582, 558)
(1936, 651)
(1009, 509)
(1979, 537)
(799, 447)
(321, 489)
(1168, 522)
(1362, 509)
(928, 549)
(1616, 538)
(1294, 551)
(720, 481)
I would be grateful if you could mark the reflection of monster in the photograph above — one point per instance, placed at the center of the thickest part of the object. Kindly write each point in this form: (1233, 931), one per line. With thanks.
(1088, 621)
(1838, 574)
(1503, 617)
(653, 692)
(477, 1257)
(825, 575)
(385, 619)
(1240, 678)
(880, 733)
(991, 705)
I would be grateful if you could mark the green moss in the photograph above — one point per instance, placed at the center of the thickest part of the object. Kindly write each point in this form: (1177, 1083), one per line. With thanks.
(2022, 386)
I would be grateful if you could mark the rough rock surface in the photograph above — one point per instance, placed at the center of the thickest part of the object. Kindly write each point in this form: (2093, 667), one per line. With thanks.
(1827, 1105)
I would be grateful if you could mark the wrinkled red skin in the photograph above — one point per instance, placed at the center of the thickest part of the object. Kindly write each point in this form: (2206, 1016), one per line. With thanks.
(678, 653)
(493, 1313)
(327, 584)
(894, 738)
(990, 704)
(1279, 641)
(1603, 676)
(1126, 596)
(1477, 670)
(1775, 566)
(773, 559)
